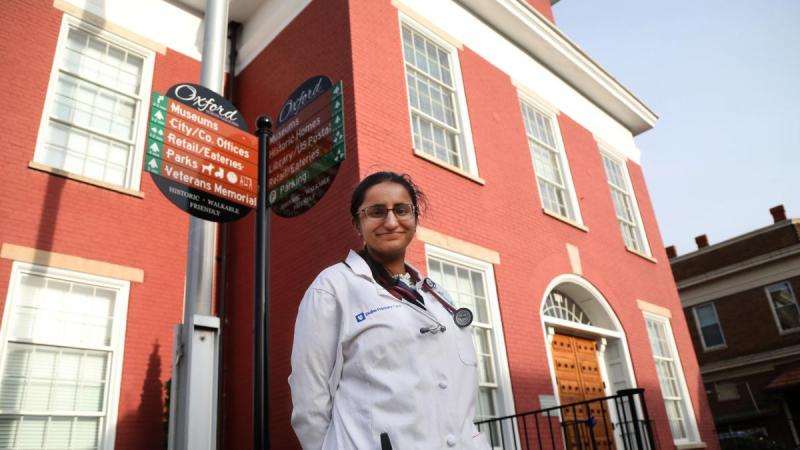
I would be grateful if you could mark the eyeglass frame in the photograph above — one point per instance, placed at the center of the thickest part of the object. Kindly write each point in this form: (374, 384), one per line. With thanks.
(411, 214)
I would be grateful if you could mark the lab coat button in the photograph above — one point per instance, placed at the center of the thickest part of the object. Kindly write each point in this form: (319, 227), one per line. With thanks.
(451, 440)
(443, 384)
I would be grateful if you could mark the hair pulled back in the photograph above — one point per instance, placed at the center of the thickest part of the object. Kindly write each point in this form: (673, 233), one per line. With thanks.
(418, 198)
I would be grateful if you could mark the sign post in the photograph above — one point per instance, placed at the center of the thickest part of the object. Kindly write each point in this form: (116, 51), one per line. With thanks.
(202, 158)
(261, 311)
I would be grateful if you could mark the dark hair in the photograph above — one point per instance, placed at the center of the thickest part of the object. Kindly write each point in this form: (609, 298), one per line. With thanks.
(418, 198)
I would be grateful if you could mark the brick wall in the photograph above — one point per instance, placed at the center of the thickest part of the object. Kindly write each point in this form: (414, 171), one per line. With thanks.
(359, 41)
(748, 325)
(315, 43)
(758, 245)
(51, 213)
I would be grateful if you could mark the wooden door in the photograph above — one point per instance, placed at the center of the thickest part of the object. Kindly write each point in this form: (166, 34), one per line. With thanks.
(578, 376)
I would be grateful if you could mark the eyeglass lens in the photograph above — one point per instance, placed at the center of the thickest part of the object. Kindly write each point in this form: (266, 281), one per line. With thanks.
(402, 210)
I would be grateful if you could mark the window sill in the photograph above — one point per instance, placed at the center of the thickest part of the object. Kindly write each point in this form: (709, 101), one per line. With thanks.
(690, 445)
(787, 332)
(641, 255)
(715, 348)
(453, 169)
(73, 176)
(569, 222)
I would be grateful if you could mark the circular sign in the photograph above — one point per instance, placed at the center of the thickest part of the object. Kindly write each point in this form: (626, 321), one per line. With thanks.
(201, 155)
(307, 147)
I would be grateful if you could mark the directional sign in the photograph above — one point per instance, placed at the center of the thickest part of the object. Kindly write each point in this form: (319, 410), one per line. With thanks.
(307, 147)
(200, 154)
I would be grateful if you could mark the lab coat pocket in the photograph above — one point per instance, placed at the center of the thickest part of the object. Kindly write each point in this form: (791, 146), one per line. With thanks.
(466, 349)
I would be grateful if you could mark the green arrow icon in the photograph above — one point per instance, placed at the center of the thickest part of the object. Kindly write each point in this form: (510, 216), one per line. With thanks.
(156, 132)
(159, 101)
(153, 165)
(154, 148)
(158, 117)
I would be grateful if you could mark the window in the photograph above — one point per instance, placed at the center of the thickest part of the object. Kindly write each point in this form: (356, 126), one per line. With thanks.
(560, 306)
(438, 126)
(549, 163)
(96, 105)
(705, 316)
(471, 284)
(61, 352)
(784, 307)
(670, 377)
(726, 391)
(624, 204)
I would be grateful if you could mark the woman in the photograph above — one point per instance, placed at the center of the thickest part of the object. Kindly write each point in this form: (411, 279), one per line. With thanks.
(378, 360)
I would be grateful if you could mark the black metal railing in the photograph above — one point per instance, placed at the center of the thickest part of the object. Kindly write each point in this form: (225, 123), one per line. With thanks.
(616, 422)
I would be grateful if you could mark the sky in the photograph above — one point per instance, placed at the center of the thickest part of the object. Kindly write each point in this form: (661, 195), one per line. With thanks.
(724, 78)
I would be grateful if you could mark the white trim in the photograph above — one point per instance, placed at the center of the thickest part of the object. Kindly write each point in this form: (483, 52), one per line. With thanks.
(264, 26)
(606, 151)
(616, 332)
(164, 23)
(692, 433)
(522, 25)
(465, 129)
(136, 157)
(707, 348)
(570, 325)
(504, 378)
(493, 43)
(545, 109)
(107, 436)
(781, 331)
(749, 275)
(724, 271)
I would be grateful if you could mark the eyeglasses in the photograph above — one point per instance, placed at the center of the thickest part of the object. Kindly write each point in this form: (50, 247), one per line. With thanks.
(403, 211)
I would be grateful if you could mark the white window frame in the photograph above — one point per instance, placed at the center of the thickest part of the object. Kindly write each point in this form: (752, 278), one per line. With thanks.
(693, 435)
(622, 161)
(506, 400)
(552, 114)
(134, 173)
(781, 331)
(706, 347)
(107, 434)
(462, 116)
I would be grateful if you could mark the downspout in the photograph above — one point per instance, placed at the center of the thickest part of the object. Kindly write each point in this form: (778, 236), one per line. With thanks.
(234, 30)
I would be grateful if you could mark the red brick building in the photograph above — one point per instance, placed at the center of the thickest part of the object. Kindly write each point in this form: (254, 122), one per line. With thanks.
(740, 301)
(539, 215)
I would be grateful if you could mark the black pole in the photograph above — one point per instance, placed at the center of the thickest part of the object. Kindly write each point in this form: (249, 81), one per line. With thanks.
(261, 312)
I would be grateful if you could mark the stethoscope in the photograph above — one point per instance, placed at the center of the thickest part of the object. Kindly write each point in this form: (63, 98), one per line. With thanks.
(461, 316)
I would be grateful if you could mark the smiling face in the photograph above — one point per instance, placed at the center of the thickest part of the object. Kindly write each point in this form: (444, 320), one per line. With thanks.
(386, 238)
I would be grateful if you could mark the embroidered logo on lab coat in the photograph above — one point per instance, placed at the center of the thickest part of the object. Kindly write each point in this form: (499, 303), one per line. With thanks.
(362, 316)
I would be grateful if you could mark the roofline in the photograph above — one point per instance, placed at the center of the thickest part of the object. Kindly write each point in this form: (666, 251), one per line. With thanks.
(532, 32)
(735, 239)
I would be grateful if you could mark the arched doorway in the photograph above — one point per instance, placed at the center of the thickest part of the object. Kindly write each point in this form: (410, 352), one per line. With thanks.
(587, 354)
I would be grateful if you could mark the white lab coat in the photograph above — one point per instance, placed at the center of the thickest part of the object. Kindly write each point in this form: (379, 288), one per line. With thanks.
(361, 367)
